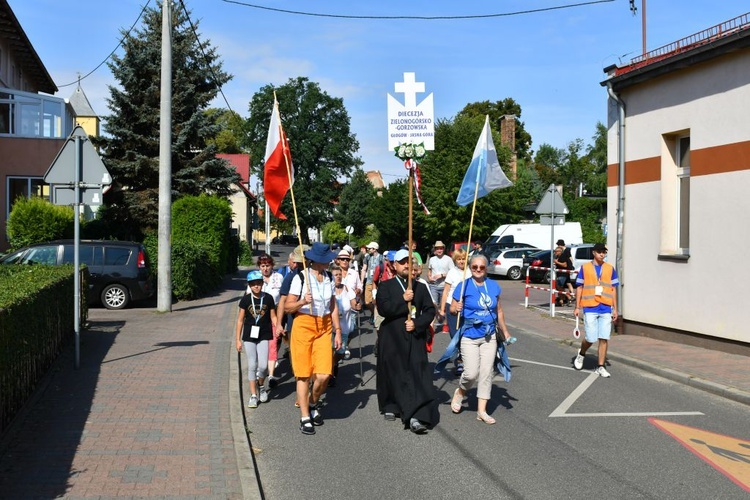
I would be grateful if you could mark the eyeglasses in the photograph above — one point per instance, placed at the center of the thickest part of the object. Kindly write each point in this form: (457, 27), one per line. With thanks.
(478, 268)
(403, 261)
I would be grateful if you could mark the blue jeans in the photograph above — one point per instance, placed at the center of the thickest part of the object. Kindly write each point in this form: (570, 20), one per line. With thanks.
(597, 325)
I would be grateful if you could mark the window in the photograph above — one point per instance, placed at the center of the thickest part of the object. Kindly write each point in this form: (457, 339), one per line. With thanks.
(114, 256)
(25, 187)
(87, 254)
(33, 115)
(675, 196)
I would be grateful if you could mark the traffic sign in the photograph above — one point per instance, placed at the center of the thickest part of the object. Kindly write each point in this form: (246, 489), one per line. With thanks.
(547, 220)
(62, 170)
(552, 203)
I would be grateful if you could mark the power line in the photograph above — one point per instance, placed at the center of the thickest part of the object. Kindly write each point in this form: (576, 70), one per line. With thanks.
(417, 18)
(119, 44)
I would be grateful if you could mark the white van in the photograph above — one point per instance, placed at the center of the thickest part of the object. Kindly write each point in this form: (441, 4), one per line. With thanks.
(537, 235)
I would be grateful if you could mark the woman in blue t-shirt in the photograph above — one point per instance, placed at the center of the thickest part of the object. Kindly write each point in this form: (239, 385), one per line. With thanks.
(478, 301)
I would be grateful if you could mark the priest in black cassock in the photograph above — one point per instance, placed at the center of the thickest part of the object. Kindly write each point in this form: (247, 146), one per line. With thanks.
(404, 382)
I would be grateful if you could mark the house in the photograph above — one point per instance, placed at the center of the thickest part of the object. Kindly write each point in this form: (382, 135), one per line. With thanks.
(33, 125)
(244, 202)
(678, 177)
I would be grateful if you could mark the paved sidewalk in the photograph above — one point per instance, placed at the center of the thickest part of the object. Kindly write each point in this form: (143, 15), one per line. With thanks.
(155, 409)
(148, 414)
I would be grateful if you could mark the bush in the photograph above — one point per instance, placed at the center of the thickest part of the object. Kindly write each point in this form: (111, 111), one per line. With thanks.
(193, 271)
(246, 254)
(35, 220)
(334, 233)
(206, 220)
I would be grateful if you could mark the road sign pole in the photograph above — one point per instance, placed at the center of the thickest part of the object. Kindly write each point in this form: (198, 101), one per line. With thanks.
(553, 278)
(164, 271)
(77, 249)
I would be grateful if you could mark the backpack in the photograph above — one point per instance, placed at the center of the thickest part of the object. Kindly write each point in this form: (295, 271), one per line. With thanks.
(377, 275)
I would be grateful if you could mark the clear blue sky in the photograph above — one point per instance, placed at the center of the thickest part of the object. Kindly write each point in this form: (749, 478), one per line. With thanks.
(550, 62)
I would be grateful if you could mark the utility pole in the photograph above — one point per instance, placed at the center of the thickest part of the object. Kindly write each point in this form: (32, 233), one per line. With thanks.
(164, 295)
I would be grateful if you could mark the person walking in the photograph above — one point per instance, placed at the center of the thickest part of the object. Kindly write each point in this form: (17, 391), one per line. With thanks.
(482, 316)
(371, 262)
(315, 329)
(437, 269)
(597, 293)
(404, 379)
(256, 323)
(351, 279)
(454, 278)
(346, 300)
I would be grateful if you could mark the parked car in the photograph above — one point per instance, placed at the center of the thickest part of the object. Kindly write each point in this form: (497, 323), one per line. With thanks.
(580, 254)
(509, 262)
(119, 270)
(493, 248)
(285, 239)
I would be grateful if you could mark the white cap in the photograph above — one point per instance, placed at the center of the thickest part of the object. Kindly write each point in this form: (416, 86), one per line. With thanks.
(373, 244)
(401, 254)
(349, 249)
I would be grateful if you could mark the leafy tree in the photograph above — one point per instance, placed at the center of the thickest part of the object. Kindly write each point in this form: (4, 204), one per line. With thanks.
(597, 155)
(229, 138)
(497, 110)
(356, 197)
(322, 145)
(390, 214)
(131, 151)
(334, 233)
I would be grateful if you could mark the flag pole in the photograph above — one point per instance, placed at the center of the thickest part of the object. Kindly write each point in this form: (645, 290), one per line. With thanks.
(284, 146)
(471, 227)
(411, 207)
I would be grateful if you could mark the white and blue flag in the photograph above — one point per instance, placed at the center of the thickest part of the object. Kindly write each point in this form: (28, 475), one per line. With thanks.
(484, 173)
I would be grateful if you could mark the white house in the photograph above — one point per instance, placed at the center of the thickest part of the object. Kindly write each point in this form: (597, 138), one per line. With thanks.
(679, 186)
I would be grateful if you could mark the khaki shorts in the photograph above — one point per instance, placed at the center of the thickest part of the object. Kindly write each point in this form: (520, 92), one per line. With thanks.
(310, 345)
(368, 294)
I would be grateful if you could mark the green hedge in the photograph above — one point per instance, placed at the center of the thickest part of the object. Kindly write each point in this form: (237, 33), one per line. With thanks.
(206, 220)
(35, 220)
(36, 319)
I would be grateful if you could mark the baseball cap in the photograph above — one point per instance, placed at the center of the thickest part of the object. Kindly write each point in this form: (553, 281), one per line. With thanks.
(599, 247)
(254, 275)
(401, 255)
(373, 244)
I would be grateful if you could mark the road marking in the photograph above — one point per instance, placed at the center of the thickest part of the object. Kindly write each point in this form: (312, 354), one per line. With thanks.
(562, 410)
(543, 364)
(727, 454)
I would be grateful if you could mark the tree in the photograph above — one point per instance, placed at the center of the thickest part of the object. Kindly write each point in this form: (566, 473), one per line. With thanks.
(356, 197)
(229, 138)
(497, 110)
(131, 151)
(390, 214)
(597, 155)
(322, 145)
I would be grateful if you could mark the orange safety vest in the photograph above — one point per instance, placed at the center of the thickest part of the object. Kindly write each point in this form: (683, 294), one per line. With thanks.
(590, 282)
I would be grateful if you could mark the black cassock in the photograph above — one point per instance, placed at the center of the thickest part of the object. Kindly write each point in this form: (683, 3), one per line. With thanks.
(404, 382)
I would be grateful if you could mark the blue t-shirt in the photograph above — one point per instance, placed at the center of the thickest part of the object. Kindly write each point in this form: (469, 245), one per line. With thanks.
(287, 283)
(480, 307)
(600, 308)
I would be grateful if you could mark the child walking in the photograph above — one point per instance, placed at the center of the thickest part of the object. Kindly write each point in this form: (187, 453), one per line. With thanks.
(256, 323)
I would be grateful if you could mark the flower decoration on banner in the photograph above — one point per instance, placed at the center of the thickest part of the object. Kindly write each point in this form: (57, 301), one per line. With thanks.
(410, 153)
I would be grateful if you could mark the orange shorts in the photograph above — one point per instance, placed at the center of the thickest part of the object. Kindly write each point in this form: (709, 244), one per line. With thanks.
(310, 345)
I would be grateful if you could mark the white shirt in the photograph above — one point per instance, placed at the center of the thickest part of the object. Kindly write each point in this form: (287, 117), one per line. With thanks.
(352, 280)
(321, 293)
(440, 265)
(344, 300)
(454, 278)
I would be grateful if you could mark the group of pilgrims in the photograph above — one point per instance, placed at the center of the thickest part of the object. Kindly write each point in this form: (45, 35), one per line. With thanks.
(317, 300)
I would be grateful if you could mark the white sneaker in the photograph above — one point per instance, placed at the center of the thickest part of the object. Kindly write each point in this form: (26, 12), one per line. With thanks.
(263, 395)
(578, 362)
(253, 401)
(347, 354)
(602, 372)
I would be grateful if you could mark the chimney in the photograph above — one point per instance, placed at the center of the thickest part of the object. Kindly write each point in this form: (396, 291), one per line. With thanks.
(508, 139)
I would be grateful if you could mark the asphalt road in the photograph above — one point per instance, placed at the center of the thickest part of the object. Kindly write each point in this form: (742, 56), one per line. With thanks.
(560, 434)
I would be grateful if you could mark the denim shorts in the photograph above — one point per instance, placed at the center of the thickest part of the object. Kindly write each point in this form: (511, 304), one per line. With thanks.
(597, 326)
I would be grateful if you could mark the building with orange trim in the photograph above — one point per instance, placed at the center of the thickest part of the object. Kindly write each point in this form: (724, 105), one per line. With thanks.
(678, 177)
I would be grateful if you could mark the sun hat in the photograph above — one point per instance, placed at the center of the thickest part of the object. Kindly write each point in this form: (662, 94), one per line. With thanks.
(561, 243)
(320, 253)
(344, 253)
(373, 244)
(254, 275)
(401, 255)
(297, 253)
(439, 243)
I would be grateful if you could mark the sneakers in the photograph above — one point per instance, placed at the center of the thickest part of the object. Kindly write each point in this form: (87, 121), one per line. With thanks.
(578, 362)
(263, 395)
(602, 372)
(347, 353)
(390, 417)
(253, 401)
(306, 426)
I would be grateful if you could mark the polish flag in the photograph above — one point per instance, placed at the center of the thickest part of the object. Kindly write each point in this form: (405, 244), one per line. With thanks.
(277, 180)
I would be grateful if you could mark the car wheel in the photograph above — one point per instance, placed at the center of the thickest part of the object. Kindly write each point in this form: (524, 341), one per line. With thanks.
(547, 276)
(514, 273)
(115, 297)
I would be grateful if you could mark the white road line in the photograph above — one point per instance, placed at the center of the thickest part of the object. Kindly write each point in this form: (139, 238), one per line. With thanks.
(577, 392)
(543, 364)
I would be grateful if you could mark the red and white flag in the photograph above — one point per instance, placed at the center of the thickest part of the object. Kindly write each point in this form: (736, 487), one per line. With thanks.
(278, 175)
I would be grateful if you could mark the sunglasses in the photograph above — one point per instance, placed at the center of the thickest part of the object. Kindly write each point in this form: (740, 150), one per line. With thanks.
(478, 268)
(344, 258)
